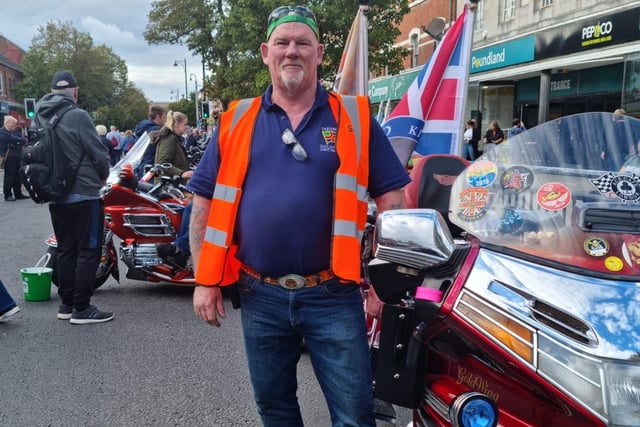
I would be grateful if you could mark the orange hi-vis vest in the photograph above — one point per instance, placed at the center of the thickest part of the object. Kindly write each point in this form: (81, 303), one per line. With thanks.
(217, 264)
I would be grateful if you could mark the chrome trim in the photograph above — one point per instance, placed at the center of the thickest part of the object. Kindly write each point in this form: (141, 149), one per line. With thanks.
(594, 302)
(417, 238)
(533, 345)
(140, 255)
(146, 224)
(437, 404)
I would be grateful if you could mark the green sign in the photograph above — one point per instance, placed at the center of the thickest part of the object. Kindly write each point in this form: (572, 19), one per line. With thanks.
(391, 88)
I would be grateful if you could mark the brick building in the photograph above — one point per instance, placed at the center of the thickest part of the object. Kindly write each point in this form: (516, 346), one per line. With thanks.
(11, 57)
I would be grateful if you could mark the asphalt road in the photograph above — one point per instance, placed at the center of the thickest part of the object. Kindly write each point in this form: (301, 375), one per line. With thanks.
(155, 364)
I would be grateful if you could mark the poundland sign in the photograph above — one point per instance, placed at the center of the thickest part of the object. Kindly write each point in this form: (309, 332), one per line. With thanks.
(503, 55)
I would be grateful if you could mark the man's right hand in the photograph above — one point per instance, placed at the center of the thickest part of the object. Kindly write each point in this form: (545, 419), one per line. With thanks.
(208, 304)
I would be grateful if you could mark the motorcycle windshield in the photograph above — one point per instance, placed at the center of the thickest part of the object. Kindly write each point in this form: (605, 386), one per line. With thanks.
(133, 157)
(566, 191)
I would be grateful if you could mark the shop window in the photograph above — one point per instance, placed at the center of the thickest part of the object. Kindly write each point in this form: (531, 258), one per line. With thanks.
(546, 3)
(509, 12)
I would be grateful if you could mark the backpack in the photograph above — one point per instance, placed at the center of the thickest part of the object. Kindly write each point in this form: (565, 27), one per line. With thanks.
(45, 171)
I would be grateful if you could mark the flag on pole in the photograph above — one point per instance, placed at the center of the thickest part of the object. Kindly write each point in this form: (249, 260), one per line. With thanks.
(352, 77)
(429, 118)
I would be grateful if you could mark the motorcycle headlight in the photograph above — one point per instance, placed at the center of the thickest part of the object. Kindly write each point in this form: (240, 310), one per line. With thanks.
(611, 389)
(622, 390)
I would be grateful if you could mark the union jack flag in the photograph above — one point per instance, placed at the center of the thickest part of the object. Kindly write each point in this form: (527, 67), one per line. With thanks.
(429, 118)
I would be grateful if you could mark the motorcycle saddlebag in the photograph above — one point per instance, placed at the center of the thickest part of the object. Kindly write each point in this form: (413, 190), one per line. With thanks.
(400, 366)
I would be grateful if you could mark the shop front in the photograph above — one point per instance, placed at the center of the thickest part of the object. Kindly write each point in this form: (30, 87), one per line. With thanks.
(580, 66)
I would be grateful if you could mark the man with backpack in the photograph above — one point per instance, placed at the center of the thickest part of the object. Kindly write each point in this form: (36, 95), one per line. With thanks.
(78, 217)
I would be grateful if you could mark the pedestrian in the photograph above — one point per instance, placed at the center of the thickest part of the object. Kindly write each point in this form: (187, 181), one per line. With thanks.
(116, 142)
(170, 150)
(493, 136)
(8, 306)
(128, 141)
(169, 147)
(102, 134)
(469, 148)
(157, 117)
(77, 219)
(11, 143)
(281, 194)
(517, 127)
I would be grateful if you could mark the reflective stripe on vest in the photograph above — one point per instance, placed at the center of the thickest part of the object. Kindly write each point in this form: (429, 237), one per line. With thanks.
(218, 265)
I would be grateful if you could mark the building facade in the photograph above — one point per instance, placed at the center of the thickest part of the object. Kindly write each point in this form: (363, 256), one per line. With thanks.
(11, 57)
(532, 59)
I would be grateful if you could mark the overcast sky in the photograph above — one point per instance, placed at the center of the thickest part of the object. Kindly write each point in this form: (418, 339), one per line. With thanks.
(115, 23)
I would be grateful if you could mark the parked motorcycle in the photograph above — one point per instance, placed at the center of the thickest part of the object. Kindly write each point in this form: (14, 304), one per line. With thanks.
(140, 213)
(532, 318)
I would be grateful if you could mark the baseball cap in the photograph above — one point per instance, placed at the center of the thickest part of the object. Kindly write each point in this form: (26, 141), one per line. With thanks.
(63, 79)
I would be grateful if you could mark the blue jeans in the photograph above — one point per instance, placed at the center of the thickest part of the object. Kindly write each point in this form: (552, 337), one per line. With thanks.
(468, 152)
(330, 318)
(182, 239)
(6, 302)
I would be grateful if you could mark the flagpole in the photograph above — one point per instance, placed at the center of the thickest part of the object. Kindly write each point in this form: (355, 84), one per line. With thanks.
(364, 42)
(473, 6)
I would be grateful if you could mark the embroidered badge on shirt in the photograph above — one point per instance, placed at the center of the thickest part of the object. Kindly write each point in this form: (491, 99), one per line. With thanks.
(329, 136)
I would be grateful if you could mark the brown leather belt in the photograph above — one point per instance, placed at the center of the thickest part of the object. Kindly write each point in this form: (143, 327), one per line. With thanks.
(291, 281)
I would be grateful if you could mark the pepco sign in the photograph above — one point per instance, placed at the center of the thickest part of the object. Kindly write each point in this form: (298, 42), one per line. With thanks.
(598, 30)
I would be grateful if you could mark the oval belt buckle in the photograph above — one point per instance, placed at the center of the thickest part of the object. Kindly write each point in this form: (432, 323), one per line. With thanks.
(291, 281)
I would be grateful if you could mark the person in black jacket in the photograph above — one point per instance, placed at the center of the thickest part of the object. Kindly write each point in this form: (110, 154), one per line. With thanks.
(11, 143)
(78, 218)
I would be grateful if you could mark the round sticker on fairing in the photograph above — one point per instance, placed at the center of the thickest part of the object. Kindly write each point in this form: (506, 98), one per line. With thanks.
(517, 178)
(473, 204)
(613, 263)
(482, 173)
(553, 196)
(596, 246)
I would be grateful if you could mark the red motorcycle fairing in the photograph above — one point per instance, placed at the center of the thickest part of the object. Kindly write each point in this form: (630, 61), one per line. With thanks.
(459, 361)
(540, 315)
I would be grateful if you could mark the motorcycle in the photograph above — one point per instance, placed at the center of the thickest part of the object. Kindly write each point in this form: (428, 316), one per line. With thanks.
(532, 316)
(140, 214)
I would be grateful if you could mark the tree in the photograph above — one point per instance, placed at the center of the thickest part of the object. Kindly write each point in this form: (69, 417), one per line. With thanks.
(105, 91)
(127, 110)
(186, 106)
(219, 32)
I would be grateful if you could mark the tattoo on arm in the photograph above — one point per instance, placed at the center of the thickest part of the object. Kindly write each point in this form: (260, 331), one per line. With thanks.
(198, 226)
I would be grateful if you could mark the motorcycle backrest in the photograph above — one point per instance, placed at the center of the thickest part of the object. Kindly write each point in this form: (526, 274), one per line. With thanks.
(431, 179)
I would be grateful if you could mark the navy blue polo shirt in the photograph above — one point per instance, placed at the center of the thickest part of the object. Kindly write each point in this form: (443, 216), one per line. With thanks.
(285, 216)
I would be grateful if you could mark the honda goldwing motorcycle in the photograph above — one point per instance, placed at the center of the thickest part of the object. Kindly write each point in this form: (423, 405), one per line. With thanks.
(532, 317)
(140, 214)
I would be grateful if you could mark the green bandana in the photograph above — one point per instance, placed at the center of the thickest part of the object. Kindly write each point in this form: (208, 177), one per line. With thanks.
(292, 17)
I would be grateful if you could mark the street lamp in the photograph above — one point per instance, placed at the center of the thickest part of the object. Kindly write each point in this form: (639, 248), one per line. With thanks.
(183, 62)
(195, 98)
(177, 92)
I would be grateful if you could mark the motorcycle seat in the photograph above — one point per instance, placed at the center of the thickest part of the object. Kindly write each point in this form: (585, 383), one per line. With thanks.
(430, 188)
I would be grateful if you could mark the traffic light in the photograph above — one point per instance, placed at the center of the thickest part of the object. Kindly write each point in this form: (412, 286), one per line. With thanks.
(205, 109)
(30, 108)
